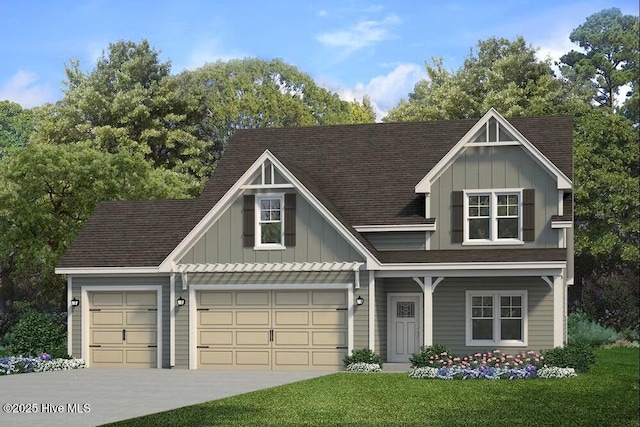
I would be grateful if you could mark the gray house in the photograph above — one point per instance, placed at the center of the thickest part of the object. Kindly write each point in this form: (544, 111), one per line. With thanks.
(307, 243)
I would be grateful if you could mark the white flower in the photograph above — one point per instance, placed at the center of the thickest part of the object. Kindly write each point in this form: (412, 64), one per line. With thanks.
(554, 372)
(363, 367)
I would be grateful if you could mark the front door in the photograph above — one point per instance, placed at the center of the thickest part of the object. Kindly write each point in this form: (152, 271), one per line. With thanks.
(404, 334)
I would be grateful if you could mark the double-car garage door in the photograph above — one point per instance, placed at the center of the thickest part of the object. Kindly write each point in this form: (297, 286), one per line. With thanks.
(279, 329)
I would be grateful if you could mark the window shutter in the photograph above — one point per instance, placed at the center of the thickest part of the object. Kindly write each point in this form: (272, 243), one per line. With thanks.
(249, 221)
(457, 216)
(289, 219)
(528, 215)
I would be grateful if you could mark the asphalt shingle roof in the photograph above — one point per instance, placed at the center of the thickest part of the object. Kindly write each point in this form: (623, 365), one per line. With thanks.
(364, 174)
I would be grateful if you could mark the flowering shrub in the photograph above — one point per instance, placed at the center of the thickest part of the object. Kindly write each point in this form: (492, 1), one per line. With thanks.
(480, 372)
(21, 364)
(554, 372)
(495, 359)
(363, 367)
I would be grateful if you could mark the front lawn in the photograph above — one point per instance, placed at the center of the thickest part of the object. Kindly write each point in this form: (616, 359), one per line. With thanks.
(605, 396)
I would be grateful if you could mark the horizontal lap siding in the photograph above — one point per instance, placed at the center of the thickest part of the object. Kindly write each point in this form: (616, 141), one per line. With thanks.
(400, 240)
(449, 315)
(78, 282)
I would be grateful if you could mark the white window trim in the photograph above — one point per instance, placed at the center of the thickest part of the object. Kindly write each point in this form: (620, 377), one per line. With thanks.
(470, 342)
(258, 243)
(493, 218)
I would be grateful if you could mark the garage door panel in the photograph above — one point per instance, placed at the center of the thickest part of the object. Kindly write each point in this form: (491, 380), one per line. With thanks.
(141, 318)
(140, 299)
(215, 358)
(291, 318)
(142, 358)
(296, 359)
(106, 299)
(329, 318)
(215, 299)
(142, 337)
(254, 358)
(107, 356)
(253, 298)
(107, 318)
(105, 337)
(329, 298)
(216, 338)
(215, 318)
(329, 338)
(253, 318)
(291, 298)
(291, 338)
(328, 359)
(252, 338)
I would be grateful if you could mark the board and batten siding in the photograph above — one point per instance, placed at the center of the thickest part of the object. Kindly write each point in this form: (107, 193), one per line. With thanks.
(316, 240)
(79, 281)
(449, 316)
(494, 168)
(397, 240)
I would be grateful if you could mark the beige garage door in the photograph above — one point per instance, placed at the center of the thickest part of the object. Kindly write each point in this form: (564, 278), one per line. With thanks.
(272, 329)
(123, 329)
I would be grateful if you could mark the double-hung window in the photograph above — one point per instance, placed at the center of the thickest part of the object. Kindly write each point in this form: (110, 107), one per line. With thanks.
(496, 318)
(270, 221)
(493, 217)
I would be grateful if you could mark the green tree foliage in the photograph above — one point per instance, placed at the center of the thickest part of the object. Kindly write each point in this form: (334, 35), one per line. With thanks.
(606, 190)
(502, 74)
(255, 93)
(610, 57)
(16, 124)
(128, 104)
(46, 193)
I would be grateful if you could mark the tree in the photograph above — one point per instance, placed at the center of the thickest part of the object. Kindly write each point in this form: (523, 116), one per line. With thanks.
(502, 74)
(128, 104)
(255, 93)
(610, 42)
(16, 124)
(46, 193)
(606, 192)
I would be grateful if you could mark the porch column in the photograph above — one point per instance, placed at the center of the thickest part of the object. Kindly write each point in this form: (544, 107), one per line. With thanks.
(558, 311)
(372, 310)
(426, 284)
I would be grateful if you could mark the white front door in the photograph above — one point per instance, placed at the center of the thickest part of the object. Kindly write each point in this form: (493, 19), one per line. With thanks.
(404, 332)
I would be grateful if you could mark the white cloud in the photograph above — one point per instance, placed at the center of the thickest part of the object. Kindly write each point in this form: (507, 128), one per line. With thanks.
(385, 91)
(322, 13)
(22, 89)
(362, 34)
(204, 52)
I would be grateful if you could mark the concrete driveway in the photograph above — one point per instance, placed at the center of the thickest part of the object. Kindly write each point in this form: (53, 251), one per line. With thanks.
(89, 397)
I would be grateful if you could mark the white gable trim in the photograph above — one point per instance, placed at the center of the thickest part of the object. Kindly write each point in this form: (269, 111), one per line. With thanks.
(424, 186)
(235, 191)
(399, 227)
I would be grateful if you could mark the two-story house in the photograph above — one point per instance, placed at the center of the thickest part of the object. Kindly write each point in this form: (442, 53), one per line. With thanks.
(307, 243)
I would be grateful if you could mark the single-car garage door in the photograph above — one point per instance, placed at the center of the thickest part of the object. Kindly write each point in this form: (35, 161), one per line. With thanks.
(123, 329)
(287, 329)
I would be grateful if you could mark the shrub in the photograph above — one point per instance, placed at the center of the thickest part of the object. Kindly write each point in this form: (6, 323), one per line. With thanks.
(429, 355)
(36, 333)
(364, 355)
(613, 299)
(579, 356)
(581, 329)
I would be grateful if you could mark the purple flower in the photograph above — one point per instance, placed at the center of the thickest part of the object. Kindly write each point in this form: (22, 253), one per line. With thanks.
(45, 356)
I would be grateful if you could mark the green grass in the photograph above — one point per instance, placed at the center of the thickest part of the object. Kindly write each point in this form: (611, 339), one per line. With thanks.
(605, 396)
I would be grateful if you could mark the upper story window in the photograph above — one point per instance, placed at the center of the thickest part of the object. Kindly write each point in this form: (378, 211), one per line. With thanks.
(493, 217)
(270, 229)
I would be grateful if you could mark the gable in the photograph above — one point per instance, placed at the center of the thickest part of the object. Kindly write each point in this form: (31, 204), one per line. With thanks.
(493, 130)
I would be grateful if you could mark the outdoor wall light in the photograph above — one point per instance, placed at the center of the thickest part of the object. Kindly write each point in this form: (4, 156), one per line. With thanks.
(359, 300)
(181, 302)
(75, 302)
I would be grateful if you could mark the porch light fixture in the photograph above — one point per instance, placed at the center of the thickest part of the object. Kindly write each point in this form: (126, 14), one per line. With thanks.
(75, 302)
(359, 300)
(181, 302)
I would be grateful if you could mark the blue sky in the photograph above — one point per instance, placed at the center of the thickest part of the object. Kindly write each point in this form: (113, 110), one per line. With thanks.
(350, 47)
